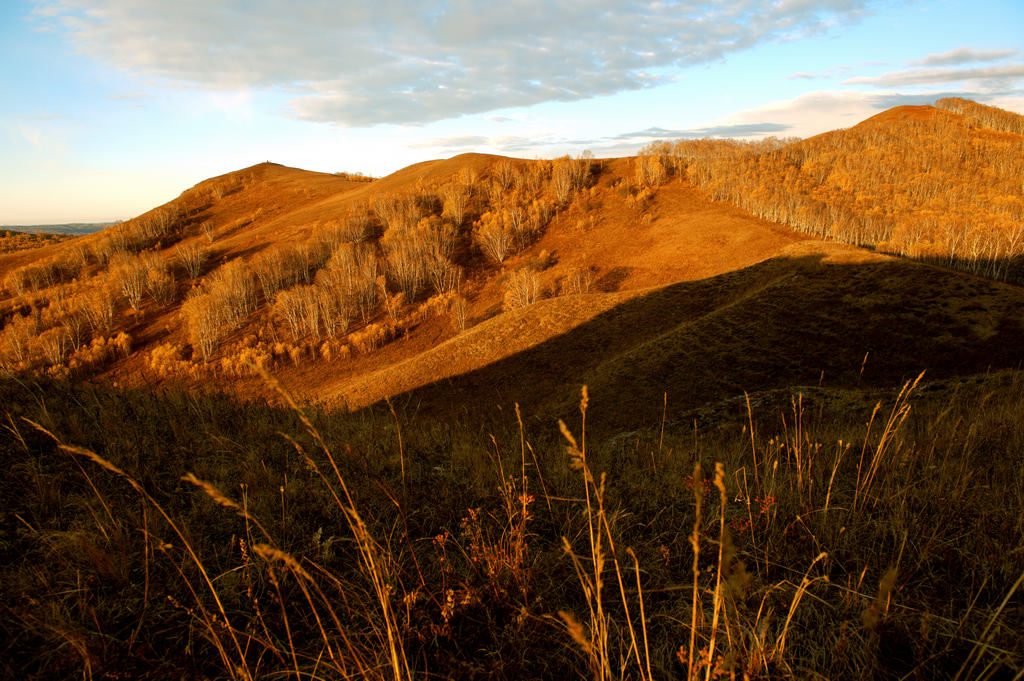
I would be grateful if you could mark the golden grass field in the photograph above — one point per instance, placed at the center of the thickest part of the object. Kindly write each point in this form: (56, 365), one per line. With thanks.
(499, 418)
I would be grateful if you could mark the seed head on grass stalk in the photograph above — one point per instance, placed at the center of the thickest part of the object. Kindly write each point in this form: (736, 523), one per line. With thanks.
(698, 496)
(597, 647)
(372, 558)
(239, 668)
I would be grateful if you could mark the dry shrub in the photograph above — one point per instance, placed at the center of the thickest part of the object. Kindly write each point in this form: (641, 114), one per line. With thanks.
(522, 288)
(459, 312)
(167, 359)
(101, 350)
(579, 280)
(191, 258)
(371, 337)
(641, 200)
(242, 363)
(392, 302)
(122, 343)
(436, 306)
(650, 172)
(335, 350)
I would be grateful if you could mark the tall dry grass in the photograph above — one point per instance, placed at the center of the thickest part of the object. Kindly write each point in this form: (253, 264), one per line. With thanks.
(856, 535)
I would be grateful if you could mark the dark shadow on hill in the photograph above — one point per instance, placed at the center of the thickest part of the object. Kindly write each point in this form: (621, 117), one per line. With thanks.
(783, 322)
(1010, 270)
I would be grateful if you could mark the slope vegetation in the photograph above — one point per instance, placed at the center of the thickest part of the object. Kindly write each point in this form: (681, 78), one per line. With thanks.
(809, 318)
(482, 271)
(937, 184)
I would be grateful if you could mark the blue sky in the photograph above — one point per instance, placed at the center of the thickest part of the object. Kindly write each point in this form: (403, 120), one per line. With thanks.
(112, 107)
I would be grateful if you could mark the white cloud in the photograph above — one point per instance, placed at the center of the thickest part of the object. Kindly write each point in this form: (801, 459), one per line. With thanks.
(991, 76)
(816, 112)
(827, 73)
(811, 113)
(963, 55)
(392, 61)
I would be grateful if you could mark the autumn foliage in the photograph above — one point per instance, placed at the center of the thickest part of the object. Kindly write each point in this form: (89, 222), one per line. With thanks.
(940, 184)
(939, 187)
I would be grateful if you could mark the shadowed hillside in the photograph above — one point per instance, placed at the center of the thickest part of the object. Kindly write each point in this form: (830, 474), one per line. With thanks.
(788, 321)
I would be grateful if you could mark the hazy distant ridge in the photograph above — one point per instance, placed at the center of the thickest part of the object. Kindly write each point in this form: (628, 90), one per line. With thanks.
(68, 228)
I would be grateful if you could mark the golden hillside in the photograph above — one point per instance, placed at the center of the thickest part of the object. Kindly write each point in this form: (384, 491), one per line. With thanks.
(940, 184)
(539, 275)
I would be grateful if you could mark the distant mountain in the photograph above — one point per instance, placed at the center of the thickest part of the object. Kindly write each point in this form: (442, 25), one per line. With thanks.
(67, 228)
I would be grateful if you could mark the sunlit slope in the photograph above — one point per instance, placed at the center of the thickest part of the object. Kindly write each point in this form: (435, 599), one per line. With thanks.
(623, 245)
(626, 273)
(256, 207)
(803, 319)
(940, 184)
(681, 236)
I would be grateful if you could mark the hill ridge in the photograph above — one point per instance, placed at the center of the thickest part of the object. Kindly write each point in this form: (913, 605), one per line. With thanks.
(342, 285)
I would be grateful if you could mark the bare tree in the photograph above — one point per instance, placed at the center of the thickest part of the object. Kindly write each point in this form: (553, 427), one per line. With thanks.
(459, 312)
(456, 199)
(191, 257)
(160, 284)
(54, 344)
(579, 280)
(522, 288)
(99, 309)
(202, 316)
(493, 237)
(131, 272)
(567, 176)
(505, 173)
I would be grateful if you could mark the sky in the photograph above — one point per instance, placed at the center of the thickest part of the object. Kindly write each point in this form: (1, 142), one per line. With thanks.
(112, 107)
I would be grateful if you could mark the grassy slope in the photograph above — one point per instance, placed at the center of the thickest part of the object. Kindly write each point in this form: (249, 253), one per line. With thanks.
(94, 580)
(787, 321)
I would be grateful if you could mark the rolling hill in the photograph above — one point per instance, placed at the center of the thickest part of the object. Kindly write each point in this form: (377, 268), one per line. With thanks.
(531, 277)
(798, 452)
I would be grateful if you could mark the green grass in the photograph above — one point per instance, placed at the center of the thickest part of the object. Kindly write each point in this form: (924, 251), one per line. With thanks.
(381, 545)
